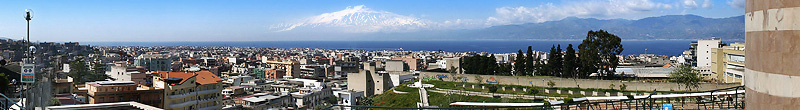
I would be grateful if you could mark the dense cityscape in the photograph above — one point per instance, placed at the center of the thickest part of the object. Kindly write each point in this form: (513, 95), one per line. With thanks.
(549, 55)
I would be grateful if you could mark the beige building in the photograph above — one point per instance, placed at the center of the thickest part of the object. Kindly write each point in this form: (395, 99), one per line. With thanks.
(772, 77)
(123, 91)
(292, 68)
(374, 81)
(727, 64)
(189, 91)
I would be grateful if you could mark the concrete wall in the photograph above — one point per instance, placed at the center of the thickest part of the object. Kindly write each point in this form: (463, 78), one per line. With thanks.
(562, 82)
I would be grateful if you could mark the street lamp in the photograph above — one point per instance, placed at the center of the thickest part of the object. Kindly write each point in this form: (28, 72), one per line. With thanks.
(28, 16)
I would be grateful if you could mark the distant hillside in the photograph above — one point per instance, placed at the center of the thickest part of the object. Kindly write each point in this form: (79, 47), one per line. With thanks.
(652, 28)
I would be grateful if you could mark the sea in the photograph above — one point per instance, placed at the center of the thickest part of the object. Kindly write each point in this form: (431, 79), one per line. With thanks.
(658, 47)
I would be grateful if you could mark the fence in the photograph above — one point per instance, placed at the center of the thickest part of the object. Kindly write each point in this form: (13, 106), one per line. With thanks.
(712, 99)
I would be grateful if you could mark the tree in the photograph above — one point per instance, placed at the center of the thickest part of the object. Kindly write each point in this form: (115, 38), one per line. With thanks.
(529, 61)
(493, 88)
(504, 69)
(80, 73)
(611, 86)
(519, 64)
(570, 63)
(598, 53)
(554, 61)
(364, 101)
(687, 76)
(4, 83)
(551, 83)
(452, 69)
(479, 79)
(623, 86)
(480, 65)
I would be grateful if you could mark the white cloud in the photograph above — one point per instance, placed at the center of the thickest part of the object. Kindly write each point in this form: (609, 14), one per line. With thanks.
(690, 4)
(666, 6)
(737, 3)
(591, 9)
(357, 19)
(707, 4)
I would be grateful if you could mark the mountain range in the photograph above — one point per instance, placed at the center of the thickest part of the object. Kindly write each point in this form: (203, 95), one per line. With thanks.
(669, 27)
(652, 28)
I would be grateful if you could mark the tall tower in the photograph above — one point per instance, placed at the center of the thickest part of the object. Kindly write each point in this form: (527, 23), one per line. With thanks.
(772, 74)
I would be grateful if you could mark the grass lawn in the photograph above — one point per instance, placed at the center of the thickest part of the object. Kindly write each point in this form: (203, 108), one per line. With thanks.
(443, 100)
(391, 99)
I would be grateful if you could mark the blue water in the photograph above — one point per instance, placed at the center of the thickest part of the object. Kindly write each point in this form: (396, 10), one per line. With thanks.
(661, 47)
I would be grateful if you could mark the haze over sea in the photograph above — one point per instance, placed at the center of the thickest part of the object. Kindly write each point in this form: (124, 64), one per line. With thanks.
(659, 47)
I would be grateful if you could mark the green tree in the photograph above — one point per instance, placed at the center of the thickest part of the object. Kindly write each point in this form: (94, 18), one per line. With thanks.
(570, 63)
(493, 88)
(554, 61)
(623, 86)
(519, 64)
(480, 65)
(80, 73)
(598, 53)
(551, 83)
(529, 61)
(504, 69)
(478, 79)
(364, 101)
(452, 69)
(686, 76)
(540, 68)
(4, 83)
(611, 86)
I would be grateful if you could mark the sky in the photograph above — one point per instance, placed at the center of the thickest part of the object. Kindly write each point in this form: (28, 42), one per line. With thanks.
(279, 20)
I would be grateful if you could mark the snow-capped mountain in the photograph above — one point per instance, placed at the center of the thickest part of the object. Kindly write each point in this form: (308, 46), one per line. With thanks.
(358, 19)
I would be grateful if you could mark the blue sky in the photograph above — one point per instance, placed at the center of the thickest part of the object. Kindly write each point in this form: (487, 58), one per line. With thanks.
(265, 20)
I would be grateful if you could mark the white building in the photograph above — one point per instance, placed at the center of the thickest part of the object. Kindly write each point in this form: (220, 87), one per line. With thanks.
(348, 97)
(703, 51)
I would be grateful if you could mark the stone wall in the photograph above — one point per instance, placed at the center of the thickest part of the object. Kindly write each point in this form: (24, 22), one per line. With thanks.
(564, 82)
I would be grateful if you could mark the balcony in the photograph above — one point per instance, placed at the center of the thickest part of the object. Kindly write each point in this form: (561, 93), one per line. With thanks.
(183, 104)
(193, 93)
(207, 100)
(215, 107)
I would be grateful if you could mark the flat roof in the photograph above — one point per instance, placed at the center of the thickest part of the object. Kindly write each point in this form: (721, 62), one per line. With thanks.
(117, 105)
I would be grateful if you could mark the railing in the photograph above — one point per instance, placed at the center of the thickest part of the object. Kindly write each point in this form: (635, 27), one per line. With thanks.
(192, 93)
(191, 102)
(4, 104)
(716, 99)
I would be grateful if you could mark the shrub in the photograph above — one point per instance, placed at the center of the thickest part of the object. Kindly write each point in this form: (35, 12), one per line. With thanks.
(533, 91)
(611, 86)
(551, 83)
(493, 88)
(623, 87)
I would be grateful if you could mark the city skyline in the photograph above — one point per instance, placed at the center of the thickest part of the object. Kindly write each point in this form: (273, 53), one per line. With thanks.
(82, 21)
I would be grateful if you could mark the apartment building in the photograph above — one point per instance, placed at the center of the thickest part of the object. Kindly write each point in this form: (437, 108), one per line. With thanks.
(727, 64)
(189, 90)
(123, 91)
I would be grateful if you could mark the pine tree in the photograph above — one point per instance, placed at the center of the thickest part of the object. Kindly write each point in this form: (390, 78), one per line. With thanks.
(570, 63)
(557, 63)
(519, 64)
(529, 61)
(552, 59)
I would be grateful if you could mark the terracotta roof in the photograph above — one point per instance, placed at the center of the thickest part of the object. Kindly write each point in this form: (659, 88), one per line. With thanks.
(206, 77)
(203, 77)
(183, 75)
